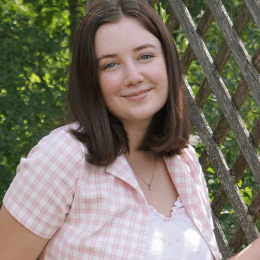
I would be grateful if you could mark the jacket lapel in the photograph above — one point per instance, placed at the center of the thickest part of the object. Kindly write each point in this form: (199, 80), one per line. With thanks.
(182, 180)
(121, 169)
(186, 185)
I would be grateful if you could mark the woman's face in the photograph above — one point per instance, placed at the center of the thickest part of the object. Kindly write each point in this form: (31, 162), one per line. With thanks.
(132, 71)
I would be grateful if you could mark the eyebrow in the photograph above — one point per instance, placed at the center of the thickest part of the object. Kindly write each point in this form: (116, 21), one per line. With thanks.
(148, 45)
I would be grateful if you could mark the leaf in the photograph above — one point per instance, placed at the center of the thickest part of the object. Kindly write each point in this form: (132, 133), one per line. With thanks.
(211, 170)
(249, 192)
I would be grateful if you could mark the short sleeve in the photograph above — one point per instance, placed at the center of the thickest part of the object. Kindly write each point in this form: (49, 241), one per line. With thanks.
(42, 191)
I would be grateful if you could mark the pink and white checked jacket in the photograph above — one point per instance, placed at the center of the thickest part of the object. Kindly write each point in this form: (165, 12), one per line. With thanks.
(91, 212)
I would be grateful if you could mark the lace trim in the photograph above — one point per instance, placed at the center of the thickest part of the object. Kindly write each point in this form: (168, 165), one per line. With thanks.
(177, 209)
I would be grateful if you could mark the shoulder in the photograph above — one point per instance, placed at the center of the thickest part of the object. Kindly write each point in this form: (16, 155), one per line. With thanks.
(59, 141)
(189, 154)
(57, 151)
(190, 158)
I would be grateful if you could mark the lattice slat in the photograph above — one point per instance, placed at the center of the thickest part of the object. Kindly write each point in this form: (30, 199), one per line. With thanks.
(238, 167)
(237, 47)
(254, 7)
(223, 55)
(172, 22)
(238, 97)
(220, 166)
(223, 244)
(240, 163)
(203, 27)
(218, 86)
(238, 238)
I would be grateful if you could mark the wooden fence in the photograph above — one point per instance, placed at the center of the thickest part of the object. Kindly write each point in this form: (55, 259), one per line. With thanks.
(230, 106)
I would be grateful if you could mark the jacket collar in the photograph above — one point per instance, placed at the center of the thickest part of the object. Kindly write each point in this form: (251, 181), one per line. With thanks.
(181, 176)
(179, 172)
(184, 184)
(121, 169)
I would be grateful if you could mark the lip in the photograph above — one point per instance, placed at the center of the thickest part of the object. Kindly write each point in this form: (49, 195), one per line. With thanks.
(138, 95)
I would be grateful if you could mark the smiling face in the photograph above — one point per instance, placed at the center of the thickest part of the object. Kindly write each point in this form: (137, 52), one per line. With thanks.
(131, 70)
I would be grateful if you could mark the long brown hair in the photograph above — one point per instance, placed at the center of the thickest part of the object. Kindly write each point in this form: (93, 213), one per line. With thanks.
(102, 133)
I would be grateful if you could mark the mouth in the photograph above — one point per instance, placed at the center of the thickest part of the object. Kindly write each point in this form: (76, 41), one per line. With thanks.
(137, 93)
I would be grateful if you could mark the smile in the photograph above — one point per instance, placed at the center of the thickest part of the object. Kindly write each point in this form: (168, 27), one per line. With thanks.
(139, 95)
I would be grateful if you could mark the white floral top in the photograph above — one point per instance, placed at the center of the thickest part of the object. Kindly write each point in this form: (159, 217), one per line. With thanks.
(175, 238)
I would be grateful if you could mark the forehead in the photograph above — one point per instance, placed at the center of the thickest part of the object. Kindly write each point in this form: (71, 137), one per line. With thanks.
(126, 34)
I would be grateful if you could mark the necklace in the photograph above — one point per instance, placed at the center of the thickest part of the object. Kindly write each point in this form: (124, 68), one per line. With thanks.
(149, 184)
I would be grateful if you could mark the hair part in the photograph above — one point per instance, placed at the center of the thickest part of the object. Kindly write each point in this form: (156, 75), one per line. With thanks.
(102, 133)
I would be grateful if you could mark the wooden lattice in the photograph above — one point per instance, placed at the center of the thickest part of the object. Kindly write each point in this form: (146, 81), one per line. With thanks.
(230, 106)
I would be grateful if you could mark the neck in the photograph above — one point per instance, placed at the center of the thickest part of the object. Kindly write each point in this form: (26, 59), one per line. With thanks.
(135, 134)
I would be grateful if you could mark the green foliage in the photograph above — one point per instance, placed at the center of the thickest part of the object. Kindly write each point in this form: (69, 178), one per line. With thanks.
(35, 50)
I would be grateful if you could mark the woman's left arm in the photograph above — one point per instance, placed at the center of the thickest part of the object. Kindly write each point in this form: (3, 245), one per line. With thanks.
(251, 252)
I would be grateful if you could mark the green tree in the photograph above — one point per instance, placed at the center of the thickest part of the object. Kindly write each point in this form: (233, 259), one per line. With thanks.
(35, 50)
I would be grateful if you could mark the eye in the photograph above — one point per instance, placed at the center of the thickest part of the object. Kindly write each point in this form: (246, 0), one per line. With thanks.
(110, 65)
(146, 56)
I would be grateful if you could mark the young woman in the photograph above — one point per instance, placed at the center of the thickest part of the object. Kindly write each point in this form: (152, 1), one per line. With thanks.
(121, 181)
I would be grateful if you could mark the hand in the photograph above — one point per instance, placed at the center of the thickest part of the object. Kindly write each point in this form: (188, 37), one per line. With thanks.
(251, 252)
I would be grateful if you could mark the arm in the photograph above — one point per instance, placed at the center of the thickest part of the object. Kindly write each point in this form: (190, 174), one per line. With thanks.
(251, 252)
(16, 241)
(39, 197)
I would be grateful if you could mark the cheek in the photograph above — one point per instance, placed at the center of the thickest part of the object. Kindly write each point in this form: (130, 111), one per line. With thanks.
(158, 73)
(110, 86)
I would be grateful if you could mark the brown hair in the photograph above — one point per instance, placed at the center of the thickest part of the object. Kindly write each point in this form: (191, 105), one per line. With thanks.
(102, 133)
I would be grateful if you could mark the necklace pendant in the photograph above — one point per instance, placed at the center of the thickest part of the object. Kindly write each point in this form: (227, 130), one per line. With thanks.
(150, 187)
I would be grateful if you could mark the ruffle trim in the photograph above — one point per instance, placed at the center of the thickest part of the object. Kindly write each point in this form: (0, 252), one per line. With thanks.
(177, 209)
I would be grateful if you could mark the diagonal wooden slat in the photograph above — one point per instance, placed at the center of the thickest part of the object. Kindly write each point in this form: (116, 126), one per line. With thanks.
(236, 46)
(218, 86)
(220, 165)
(223, 127)
(203, 27)
(238, 238)
(254, 7)
(223, 54)
(221, 199)
(240, 164)
(223, 245)
(172, 22)
(238, 167)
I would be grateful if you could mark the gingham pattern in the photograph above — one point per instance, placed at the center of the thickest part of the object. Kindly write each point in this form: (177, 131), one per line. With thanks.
(91, 212)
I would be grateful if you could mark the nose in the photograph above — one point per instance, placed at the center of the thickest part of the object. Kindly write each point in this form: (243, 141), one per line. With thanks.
(133, 74)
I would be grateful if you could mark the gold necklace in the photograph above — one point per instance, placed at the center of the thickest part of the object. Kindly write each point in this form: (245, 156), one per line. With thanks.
(149, 184)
